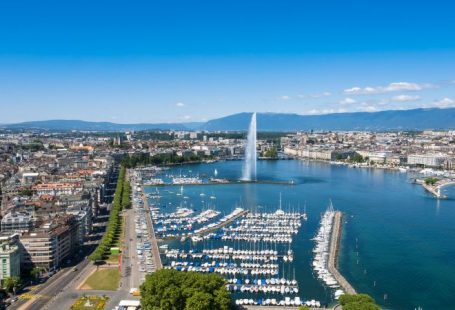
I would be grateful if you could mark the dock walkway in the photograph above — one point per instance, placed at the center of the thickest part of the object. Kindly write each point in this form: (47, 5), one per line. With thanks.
(222, 224)
(333, 254)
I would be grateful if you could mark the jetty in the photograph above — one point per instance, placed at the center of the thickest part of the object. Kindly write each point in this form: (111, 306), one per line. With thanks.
(335, 241)
(222, 224)
(151, 233)
(435, 189)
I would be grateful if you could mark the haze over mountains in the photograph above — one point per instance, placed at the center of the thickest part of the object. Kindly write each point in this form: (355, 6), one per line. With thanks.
(416, 119)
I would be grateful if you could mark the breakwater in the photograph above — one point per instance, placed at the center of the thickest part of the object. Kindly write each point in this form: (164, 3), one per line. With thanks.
(335, 243)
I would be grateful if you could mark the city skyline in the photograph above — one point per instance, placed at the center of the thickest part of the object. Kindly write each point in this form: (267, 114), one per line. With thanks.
(186, 62)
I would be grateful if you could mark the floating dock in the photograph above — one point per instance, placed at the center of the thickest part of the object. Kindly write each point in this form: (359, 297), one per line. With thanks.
(335, 242)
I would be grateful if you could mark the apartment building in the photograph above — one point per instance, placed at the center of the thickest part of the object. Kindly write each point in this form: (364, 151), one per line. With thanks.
(10, 256)
(50, 244)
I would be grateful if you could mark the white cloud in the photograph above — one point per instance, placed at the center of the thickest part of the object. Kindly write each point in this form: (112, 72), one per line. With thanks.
(186, 117)
(368, 108)
(392, 87)
(285, 97)
(403, 86)
(405, 98)
(180, 104)
(444, 103)
(347, 101)
(325, 111)
(314, 111)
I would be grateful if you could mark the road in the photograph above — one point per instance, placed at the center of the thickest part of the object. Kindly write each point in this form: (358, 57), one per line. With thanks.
(129, 275)
(52, 287)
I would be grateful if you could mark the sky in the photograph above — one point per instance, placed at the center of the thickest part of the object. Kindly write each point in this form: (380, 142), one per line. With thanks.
(191, 61)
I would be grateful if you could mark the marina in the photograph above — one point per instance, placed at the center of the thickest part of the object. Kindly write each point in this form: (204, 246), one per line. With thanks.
(319, 183)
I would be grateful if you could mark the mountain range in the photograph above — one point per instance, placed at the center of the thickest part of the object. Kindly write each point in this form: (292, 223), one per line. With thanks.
(415, 119)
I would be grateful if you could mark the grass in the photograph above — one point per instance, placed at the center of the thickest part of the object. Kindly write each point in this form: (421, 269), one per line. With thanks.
(96, 303)
(104, 279)
(113, 258)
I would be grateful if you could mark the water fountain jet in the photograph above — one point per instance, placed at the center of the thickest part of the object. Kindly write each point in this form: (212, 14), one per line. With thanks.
(249, 166)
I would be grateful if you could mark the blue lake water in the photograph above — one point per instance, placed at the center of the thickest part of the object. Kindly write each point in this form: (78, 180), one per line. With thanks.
(398, 242)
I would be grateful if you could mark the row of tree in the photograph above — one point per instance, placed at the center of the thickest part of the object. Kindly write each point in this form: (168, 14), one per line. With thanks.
(144, 159)
(177, 290)
(113, 229)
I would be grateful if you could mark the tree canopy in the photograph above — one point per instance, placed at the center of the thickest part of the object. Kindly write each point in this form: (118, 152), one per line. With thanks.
(272, 153)
(171, 289)
(358, 302)
(431, 181)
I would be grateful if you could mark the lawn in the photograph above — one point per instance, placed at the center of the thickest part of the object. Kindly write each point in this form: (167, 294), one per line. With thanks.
(90, 303)
(113, 258)
(105, 279)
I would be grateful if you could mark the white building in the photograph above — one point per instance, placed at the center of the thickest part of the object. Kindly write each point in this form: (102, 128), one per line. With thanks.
(428, 160)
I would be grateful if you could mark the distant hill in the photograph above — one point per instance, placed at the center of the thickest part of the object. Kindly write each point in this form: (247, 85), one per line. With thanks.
(98, 126)
(416, 119)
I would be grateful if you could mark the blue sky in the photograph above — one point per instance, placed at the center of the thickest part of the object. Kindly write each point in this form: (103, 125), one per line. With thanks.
(172, 61)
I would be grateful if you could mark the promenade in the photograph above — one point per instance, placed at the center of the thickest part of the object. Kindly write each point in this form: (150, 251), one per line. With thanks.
(333, 254)
(151, 232)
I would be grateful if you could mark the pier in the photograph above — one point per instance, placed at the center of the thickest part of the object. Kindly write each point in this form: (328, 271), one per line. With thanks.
(436, 188)
(221, 225)
(433, 190)
(151, 232)
(335, 241)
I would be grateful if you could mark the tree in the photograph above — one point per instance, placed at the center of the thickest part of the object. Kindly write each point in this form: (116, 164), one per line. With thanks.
(36, 272)
(431, 180)
(357, 158)
(11, 284)
(200, 301)
(26, 192)
(358, 302)
(272, 153)
(172, 289)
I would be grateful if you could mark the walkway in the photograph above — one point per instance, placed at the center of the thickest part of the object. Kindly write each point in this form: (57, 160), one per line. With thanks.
(220, 225)
(151, 231)
(333, 254)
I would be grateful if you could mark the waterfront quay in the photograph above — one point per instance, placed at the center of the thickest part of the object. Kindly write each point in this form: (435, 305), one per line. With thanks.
(335, 243)
(151, 233)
